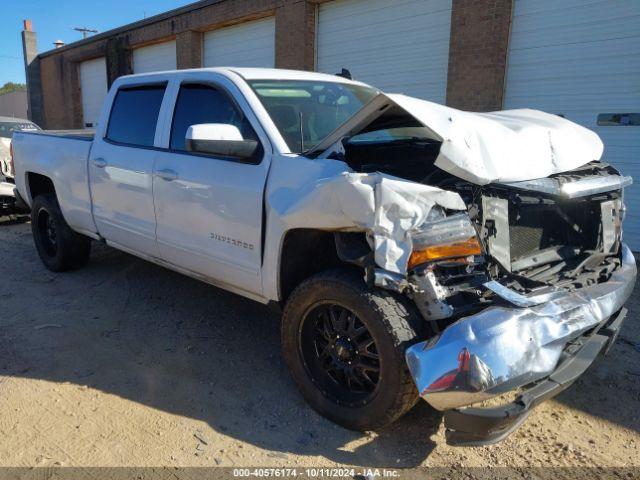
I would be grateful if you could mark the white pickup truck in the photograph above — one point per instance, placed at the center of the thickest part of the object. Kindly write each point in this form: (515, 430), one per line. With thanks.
(416, 250)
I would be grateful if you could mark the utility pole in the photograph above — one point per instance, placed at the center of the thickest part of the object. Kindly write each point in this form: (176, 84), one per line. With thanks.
(85, 31)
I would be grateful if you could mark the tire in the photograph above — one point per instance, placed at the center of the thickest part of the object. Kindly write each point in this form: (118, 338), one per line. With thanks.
(392, 323)
(60, 248)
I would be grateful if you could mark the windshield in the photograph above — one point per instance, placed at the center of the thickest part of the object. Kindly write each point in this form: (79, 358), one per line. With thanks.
(7, 128)
(306, 111)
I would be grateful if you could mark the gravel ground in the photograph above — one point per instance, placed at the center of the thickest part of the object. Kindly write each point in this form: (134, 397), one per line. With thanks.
(124, 363)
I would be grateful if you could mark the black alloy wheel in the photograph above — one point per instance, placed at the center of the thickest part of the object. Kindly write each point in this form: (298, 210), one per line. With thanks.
(340, 354)
(47, 229)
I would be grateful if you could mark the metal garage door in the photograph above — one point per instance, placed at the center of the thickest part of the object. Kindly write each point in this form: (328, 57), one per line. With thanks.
(249, 44)
(581, 59)
(399, 46)
(155, 58)
(93, 84)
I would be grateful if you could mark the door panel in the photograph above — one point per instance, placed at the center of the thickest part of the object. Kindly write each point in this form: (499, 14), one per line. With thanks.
(121, 170)
(122, 196)
(208, 209)
(210, 217)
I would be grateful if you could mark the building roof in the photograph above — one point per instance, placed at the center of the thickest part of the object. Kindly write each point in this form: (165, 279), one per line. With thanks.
(130, 26)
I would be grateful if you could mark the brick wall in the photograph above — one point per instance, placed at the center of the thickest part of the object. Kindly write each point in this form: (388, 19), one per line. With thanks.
(62, 98)
(478, 53)
(295, 35)
(477, 57)
(189, 49)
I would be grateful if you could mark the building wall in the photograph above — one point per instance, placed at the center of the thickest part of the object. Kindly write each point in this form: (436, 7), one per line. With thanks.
(479, 36)
(478, 51)
(14, 104)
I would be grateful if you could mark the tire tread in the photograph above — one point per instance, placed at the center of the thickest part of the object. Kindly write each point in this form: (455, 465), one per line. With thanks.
(400, 318)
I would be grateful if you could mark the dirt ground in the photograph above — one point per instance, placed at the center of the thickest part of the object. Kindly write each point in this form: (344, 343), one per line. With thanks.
(124, 363)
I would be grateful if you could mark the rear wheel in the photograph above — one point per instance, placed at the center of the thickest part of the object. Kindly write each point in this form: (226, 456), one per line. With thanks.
(345, 344)
(59, 247)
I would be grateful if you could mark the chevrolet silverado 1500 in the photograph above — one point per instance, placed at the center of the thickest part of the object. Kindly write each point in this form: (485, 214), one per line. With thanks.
(416, 250)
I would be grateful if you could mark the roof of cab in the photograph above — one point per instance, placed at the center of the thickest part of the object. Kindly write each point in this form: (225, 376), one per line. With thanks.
(15, 120)
(259, 74)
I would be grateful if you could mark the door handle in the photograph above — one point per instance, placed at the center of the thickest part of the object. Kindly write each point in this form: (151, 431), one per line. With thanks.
(167, 174)
(100, 162)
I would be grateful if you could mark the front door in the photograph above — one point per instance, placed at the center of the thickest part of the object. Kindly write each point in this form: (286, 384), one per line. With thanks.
(121, 170)
(209, 209)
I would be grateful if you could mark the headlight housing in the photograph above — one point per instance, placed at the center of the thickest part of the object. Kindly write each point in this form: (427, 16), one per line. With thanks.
(446, 238)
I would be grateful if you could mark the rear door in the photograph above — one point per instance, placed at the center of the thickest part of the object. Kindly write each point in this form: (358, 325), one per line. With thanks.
(121, 169)
(208, 208)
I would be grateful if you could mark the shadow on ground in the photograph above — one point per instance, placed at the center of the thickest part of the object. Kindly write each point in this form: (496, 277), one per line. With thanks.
(132, 329)
(129, 328)
(612, 383)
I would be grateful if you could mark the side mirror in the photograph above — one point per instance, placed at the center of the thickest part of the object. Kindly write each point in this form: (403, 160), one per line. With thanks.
(219, 139)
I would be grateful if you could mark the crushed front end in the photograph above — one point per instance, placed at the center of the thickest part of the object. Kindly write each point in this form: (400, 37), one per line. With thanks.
(524, 300)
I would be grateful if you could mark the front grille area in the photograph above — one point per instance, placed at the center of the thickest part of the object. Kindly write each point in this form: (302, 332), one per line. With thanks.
(525, 239)
(539, 225)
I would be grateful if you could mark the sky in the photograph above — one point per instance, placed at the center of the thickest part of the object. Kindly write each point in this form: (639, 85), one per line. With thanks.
(55, 20)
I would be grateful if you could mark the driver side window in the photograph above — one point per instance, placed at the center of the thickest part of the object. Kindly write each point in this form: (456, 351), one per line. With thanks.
(198, 103)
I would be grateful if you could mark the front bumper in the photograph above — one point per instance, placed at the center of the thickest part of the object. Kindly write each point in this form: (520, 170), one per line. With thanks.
(504, 348)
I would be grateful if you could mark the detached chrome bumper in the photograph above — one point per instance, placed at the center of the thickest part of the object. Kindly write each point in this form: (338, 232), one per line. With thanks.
(502, 348)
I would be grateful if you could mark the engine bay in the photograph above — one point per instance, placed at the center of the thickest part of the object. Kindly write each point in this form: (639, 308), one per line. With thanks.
(534, 241)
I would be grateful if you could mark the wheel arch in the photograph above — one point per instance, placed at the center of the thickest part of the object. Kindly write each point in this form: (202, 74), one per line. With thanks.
(38, 184)
(307, 251)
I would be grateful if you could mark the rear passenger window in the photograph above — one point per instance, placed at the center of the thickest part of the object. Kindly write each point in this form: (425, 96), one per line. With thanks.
(134, 115)
(205, 104)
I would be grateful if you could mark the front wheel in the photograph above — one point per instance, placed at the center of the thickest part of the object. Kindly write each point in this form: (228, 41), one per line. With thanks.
(59, 247)
(345, 345)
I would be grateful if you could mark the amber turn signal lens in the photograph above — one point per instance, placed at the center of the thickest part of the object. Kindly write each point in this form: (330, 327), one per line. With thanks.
(440, 252)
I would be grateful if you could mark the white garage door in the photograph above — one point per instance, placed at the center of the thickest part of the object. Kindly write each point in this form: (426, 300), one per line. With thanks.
(93, 84)
(155, 58)
(581, 59)
(399, 46)
(250, 44)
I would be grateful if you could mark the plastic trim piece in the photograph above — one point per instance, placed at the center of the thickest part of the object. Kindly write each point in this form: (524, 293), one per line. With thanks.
(580, 188)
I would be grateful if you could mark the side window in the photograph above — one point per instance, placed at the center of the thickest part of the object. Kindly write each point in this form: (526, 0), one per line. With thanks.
(134, 115)
(205, 104)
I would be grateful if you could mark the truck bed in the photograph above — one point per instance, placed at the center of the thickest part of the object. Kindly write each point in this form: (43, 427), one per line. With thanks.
(61, 156)
(74, 134)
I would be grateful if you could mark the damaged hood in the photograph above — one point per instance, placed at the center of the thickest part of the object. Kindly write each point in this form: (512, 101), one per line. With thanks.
(482, 148)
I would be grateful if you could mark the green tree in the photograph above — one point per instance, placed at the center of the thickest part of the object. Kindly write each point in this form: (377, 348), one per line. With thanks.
(12, 87)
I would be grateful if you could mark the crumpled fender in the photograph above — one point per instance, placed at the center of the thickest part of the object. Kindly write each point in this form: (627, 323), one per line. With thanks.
(324, 194)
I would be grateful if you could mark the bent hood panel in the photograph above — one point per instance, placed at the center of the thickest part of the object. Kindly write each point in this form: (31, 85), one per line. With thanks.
(504, 146)
(482, 148)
